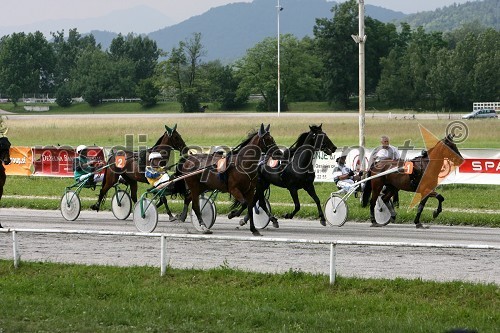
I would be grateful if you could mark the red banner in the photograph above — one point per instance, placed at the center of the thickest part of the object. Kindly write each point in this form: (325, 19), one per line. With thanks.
(480, 165)
(58, 161)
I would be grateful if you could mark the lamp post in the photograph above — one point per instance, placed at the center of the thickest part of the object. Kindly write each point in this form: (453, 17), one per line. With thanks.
(360, 39)
(278, 10)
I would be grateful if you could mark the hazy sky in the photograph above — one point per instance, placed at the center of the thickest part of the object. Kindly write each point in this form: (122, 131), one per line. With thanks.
(20, 12)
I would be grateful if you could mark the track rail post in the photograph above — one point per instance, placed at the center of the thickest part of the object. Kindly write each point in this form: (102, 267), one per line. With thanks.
(15, 249)
(333, 255)
(163, 256)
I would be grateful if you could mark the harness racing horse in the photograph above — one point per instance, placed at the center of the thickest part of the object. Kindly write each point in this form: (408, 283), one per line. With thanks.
(236, 173)
(133, 171)
(4, 159)
(294, 171)
(427, 170)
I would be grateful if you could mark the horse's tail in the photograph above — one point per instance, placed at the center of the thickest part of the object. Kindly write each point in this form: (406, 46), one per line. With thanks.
(367, 191)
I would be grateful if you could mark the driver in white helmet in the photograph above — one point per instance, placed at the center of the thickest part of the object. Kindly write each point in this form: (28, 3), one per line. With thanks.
(84, 167)
(155, 173)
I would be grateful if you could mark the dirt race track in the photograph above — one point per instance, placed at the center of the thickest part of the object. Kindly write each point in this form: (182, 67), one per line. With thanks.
(362, 261)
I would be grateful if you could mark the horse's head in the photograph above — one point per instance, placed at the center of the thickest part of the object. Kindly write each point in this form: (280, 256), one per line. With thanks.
(446, 149)
(321, 141)
(171, 138)
(4, 150)
(264, 139)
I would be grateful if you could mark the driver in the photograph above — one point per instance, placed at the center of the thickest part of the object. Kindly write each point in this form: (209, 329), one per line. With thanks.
(83, 167)
(155, 173)
(343, 176)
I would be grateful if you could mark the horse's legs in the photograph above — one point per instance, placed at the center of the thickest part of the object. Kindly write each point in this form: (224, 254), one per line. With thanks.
(420, 208)
(163, 201)
(296, 202)
(195, 196)
(376, 189)
(439, 209)
(236, 212)
(312, 192)
(106, 186)
(386, 198)
(187, 201)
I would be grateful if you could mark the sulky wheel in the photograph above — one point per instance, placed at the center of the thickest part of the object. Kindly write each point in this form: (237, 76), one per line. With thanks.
(121, 205)
(336, 210)
(70, 205)
(208, 213)
(260, 218)
(145, 215)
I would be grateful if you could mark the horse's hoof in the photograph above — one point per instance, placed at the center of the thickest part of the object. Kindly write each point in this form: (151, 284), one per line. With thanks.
(242, 222)
(205, 230)
(435, 214)
(256, 233)
(323, 223)
(172, 218)
(276, 224)
(376, 225)
(287, 216)
(94, 207)
(421, 226)
(231, 215)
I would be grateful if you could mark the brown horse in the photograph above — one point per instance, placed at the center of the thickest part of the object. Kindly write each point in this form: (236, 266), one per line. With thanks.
(294, 172)
(235, 174)
(4, 159)
(424, 179)
(133, 171)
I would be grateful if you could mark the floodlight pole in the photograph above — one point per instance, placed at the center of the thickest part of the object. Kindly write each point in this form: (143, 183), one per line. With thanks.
(278, 10)
(360, 39)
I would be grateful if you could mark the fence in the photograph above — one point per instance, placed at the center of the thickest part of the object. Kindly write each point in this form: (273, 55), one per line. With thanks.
(163, 243)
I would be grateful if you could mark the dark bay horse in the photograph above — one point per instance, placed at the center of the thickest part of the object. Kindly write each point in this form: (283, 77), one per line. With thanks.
(4, 159)
(236, 173)
(133, 171)
(295, 171)
(423, 181)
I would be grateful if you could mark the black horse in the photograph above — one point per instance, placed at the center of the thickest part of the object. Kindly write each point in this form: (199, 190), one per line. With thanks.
(4, 159)
(294, 171)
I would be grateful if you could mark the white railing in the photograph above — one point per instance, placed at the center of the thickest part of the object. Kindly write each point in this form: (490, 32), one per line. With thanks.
(163, 243)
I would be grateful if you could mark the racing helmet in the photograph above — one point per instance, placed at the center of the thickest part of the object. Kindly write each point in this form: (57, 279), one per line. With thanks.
(80, 148)
(154, 155)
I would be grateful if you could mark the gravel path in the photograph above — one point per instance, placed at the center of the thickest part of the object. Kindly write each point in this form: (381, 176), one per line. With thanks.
(363, 261)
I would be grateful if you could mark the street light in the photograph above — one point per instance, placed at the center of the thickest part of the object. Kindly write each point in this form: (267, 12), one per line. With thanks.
(278, 10)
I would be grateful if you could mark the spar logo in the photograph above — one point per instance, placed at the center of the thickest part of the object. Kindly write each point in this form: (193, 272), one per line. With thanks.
(481, 165)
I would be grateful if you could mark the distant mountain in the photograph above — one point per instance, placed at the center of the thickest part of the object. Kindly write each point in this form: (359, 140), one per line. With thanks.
(485, 13)
(229, 30)
(140, 19)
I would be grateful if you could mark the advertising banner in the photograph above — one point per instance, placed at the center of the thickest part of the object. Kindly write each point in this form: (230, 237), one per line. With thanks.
(481, 166)
(21, 162)
(58, 161)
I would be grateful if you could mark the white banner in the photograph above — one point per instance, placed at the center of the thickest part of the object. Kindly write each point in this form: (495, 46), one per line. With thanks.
(481, 166)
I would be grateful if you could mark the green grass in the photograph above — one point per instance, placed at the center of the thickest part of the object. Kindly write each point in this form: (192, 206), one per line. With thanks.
(46, 297)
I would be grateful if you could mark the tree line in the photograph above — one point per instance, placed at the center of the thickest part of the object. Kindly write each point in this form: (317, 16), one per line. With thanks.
(405, 68)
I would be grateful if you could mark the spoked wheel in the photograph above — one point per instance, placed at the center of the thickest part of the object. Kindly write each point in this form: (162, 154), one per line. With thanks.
(145, 215)
(70, 205)
(260, 218)
(336, 211)
(121, 205)
(208, 213)
(382, 213)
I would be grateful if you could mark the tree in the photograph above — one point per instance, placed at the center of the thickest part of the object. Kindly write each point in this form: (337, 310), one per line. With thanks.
(148, 92)
(339, 52)
(96, 76)
(142, 51)
(67, 51)
(299, 69)
(181, 72)
(63, 96)
(14, 92)
(26, 61)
